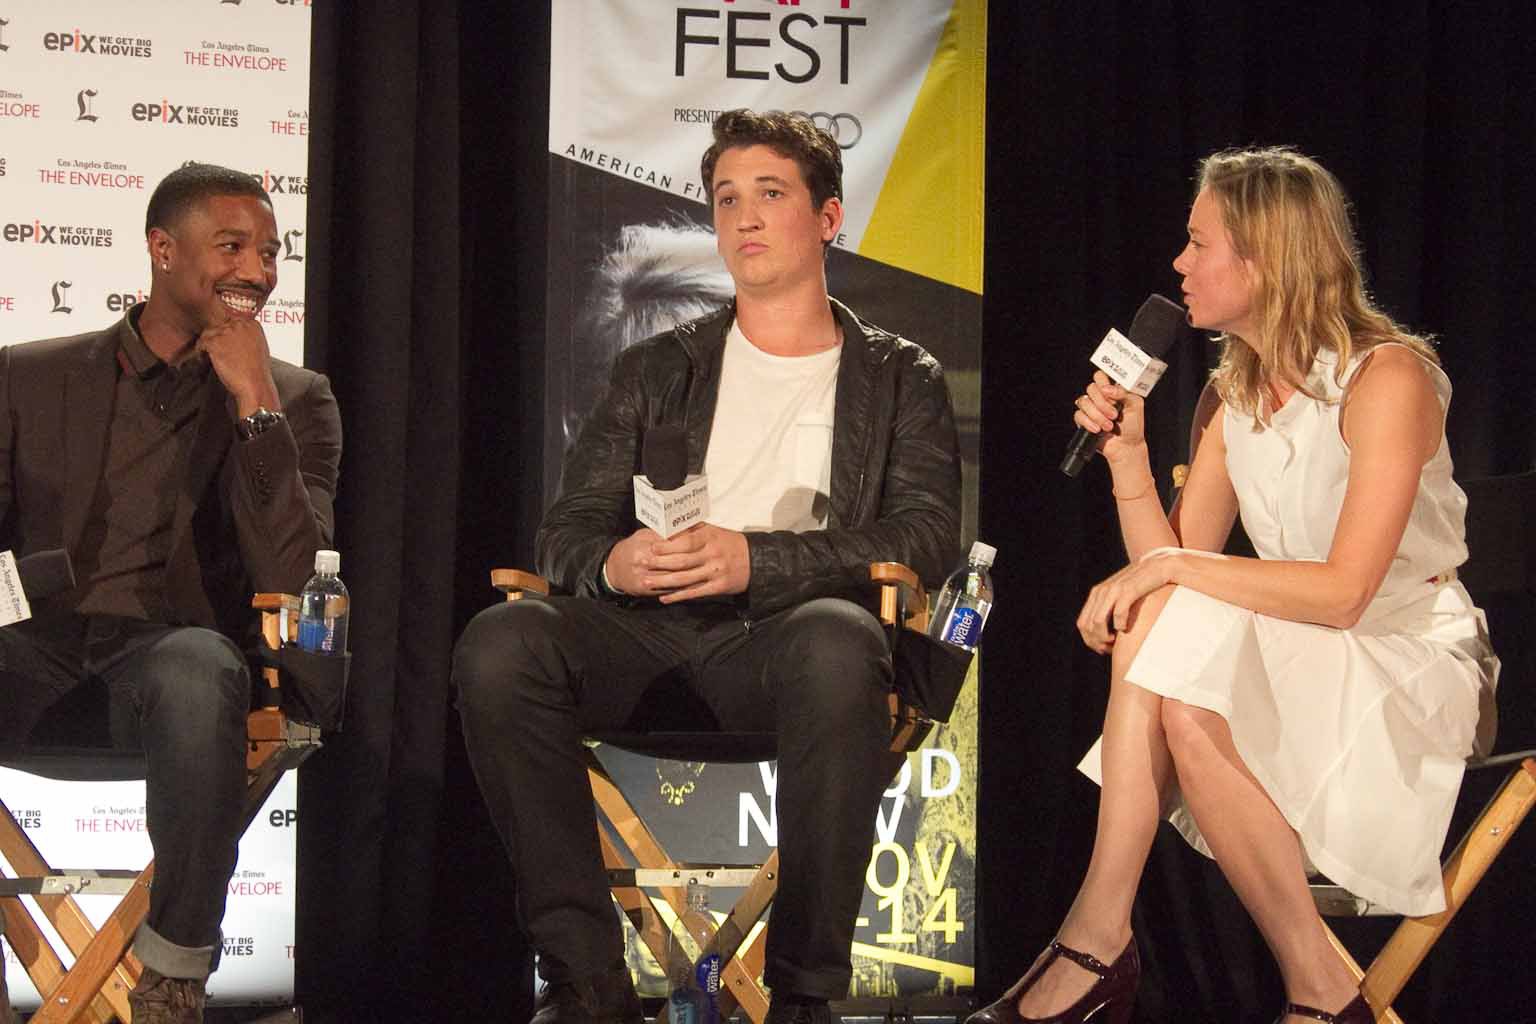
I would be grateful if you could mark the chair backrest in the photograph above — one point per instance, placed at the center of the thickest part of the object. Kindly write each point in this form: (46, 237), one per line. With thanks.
(72, 742)
(1501, 554)
(1500, 574)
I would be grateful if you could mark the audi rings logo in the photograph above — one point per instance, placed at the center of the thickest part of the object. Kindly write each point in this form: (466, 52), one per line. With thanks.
(845, 129)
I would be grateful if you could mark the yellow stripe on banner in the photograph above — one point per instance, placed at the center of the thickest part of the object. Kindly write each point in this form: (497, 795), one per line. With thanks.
(963, 975)
(928, 218)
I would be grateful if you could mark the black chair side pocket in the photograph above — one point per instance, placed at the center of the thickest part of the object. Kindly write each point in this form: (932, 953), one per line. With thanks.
(314, 686)
(929, 673)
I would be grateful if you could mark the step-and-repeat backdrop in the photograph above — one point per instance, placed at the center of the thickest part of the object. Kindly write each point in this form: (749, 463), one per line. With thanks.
(99, 100)
(635, 86)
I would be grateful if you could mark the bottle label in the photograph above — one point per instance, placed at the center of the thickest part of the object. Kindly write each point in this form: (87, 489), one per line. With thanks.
(707, 971)
(963, 628)
(318, 635)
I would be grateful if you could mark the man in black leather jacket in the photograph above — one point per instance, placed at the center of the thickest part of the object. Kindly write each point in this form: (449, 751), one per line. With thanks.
(828, 444)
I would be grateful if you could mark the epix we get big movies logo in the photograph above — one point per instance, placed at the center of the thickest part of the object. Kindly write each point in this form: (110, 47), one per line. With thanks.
(38, 233)
(76, 41)
(163, 111)
(283, 184)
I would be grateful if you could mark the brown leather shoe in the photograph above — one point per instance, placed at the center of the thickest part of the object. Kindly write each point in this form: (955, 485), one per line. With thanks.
(157, 999)
(605, 998)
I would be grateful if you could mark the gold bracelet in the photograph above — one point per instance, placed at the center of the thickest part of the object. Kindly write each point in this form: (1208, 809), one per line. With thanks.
(1151, 486)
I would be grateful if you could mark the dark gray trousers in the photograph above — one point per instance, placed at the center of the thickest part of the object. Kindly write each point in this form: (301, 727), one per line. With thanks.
(534, 675)
(179, 693)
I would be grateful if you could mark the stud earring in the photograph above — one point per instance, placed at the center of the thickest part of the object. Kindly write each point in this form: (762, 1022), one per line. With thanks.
(165, 267)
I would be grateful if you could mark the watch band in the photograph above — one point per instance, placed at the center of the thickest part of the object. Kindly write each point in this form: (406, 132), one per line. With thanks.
(258, 422)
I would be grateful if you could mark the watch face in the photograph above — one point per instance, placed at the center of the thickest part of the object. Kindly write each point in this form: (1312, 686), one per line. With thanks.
(257, 422)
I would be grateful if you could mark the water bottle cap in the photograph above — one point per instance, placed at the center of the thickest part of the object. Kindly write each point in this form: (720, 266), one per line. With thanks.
(983, 553)
(328, 562)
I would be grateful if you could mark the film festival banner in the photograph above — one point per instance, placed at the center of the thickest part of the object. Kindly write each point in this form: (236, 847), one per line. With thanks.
(99, 100)
(901, 86)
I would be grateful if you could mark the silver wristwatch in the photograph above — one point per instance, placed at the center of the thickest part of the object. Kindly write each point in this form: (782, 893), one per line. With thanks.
(258, 422)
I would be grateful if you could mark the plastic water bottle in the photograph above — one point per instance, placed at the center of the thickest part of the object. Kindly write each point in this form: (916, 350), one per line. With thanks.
(965, 600)
(323, 607)
(693, 979)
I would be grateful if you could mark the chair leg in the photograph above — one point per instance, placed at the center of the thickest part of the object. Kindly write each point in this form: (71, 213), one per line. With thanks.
(42, 964)
(739, 985)
(1411, 942)
(100, 958)
(96, 987)
(1384, 1014)
(636, 904)
(743, 959)
(68, 919)
(740, 971)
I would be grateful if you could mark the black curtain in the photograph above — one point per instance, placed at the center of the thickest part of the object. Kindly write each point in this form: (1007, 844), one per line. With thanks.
(426, 284)
(426, 293)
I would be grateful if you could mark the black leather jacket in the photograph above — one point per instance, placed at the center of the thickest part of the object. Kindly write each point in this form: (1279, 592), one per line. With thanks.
(895, 466)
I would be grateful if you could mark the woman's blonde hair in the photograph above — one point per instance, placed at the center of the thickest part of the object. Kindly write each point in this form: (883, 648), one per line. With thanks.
(1290, 219)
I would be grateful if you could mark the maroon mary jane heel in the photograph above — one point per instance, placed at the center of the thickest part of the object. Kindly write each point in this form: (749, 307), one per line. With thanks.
(1356, 1011)
(1108, 1002)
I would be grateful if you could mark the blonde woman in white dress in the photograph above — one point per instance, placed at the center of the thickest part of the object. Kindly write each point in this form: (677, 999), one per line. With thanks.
(1314, 704)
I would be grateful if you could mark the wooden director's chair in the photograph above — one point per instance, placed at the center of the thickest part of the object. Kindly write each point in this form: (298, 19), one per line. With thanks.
(1501, 570)
(95, 988)
(636, 860)
(1500, 574)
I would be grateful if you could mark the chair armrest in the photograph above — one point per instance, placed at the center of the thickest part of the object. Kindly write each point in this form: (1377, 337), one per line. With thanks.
(316, 695)
(516, 583)
(902, 597)
(273, 607)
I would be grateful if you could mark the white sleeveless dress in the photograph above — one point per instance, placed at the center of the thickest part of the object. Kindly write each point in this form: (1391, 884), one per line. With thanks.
(1358, 735)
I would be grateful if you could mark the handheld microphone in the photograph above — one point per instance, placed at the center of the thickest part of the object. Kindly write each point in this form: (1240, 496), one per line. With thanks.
(36, 576)
(667, 499)
(1135, 363)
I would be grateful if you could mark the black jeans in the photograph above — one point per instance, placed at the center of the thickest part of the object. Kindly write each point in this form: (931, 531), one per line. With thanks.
(533, 675)
(179, 693)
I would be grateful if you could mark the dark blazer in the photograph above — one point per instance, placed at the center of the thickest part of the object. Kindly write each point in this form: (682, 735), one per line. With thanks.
(249, 514)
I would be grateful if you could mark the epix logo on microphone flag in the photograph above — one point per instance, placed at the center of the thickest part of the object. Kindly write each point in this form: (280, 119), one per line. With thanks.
(1127, 365)
(671, 512)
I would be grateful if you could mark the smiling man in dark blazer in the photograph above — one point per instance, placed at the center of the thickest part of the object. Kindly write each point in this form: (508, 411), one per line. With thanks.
(182, 468)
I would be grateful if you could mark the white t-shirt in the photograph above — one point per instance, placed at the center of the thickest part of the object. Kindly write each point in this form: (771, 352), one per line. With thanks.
(769, 461)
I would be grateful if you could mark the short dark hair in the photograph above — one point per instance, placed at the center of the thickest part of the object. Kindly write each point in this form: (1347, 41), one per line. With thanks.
(192, 183)
(789, 135)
